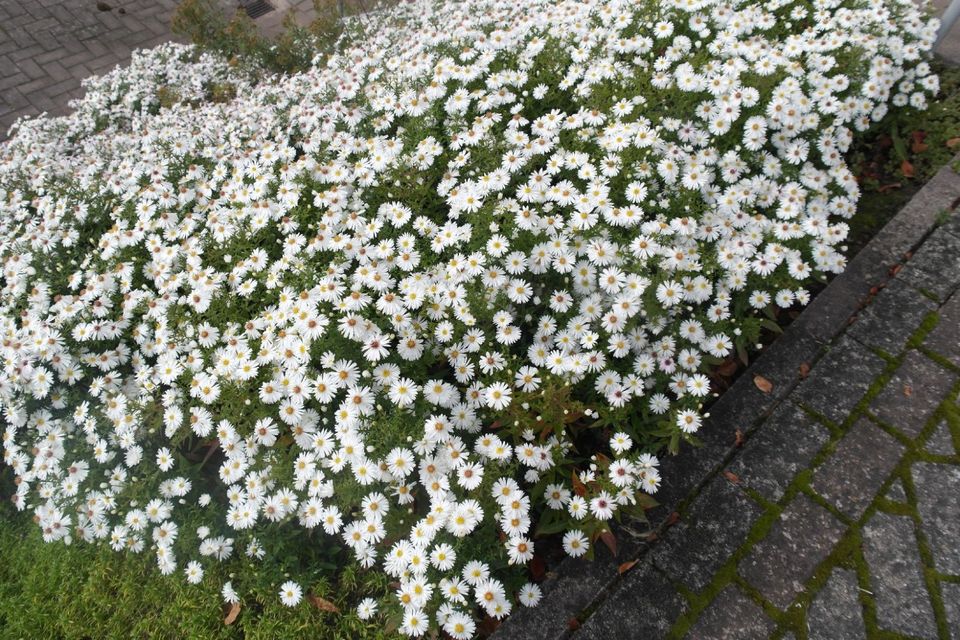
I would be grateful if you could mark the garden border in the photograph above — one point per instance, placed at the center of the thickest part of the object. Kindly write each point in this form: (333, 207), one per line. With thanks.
(577, 587)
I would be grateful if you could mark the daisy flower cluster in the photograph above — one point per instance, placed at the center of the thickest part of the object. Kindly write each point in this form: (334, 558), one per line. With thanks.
(346, 301)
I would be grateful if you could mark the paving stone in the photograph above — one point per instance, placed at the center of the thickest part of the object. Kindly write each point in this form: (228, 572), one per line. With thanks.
(945, 337)
(574, 586)
(836, 612)
(896, 492)
(890, 548)
(895, 314)
(786, 558)
(851, 477)
(914, 392)
(732, 616)
(839, 380)
(927, 282)
(645, 606)
(950, 592)
(941, 442)
(780, 365)
(714, 526)
(952, 223)
(938, 501)
(38, 42)
(940, 255)
(782, 446)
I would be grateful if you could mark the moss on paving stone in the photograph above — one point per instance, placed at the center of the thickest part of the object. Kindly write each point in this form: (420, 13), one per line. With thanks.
(929, 324)
(848, 552)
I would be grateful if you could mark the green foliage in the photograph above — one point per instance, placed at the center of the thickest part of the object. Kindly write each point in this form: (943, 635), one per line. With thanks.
(239, 39)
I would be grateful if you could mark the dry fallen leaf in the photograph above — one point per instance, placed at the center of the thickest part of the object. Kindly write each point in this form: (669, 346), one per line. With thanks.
(763, 384)
(626, 566)
(323, 605)
(917, 144)
(804, 370)
(738, 438)
(906, 168)
(230, 613)
(573, 624)
(952, 142)
(907, 390)
(732, 477)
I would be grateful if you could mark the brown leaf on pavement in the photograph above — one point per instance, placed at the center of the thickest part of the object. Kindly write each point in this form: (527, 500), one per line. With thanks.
(626, 566)
(731, 476)
(763, 384)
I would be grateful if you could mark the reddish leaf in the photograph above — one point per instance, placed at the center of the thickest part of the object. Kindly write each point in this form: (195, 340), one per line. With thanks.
(888, 187)
(578, 487)
(731, 476)
(763, 384)
(626, 566)
(804, 370)
(496, 424)
(230, 612)
(610, 540)
(917, 144)
(738, 438)
(320, 603)
(906, 169)
(952, 142)
(894, 270)
(573, 624)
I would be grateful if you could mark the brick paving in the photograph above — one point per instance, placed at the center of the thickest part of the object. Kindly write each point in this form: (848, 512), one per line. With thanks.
(48, 46)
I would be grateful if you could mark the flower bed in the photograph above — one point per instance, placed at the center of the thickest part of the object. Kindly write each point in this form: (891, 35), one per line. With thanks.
(454, 287)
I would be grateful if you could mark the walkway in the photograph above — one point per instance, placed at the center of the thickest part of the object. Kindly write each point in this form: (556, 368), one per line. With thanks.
(48, 46)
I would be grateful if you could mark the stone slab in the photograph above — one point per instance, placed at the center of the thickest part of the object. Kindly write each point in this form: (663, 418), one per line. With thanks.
(732, 616)
(851, 477)
(573, 587)
(940, 254)
(938, 501)
(927, 282)
(781, 447)
(950, 591)
(714, 526)
(805, 534)
(645, 606)
(899, 591)
(941, 442)
(945, 337)
(836, 612)
(914, 392)
(892, 317)
(838, 382)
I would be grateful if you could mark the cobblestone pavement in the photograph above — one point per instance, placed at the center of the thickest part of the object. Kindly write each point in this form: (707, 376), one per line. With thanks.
(48, 46)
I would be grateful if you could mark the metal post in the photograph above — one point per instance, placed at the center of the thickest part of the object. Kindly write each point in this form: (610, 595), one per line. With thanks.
(947, 21)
